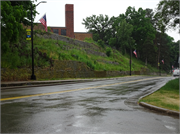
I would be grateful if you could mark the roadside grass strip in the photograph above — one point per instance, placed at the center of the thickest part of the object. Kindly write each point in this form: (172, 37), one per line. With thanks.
(65, 91)
(166, 97)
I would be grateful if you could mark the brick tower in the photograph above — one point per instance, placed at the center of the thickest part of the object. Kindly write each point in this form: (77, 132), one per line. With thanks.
(69, 10)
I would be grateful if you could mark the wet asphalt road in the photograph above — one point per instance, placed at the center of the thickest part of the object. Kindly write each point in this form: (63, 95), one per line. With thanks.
(99, 107)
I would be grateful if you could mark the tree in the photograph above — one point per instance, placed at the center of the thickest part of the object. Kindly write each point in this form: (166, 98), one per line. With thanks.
(124, 31)
(168, 11)
(98, 25)
(13, 13)
(174, 53)
(27, 8)
(143, 32)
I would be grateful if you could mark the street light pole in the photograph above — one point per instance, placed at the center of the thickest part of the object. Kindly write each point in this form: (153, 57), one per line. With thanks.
(33, 77)
(130, 42)
(159, 58)
(130, 59)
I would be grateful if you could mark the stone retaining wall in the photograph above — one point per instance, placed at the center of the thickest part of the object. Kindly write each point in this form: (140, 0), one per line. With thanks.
(64, 69)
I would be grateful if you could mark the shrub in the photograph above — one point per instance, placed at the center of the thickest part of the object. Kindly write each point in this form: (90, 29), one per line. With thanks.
(112, 41)
(10, 60)
(49, 29)
(90, 64)
(101, 43)
(95, 36)
(89, 40)
(109, 52)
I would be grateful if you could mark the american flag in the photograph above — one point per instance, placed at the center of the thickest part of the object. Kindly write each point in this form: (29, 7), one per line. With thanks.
(135, 53)
(44, 21)
(163, 61)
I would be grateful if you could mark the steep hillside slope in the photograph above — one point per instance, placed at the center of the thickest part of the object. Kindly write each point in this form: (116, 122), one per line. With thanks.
(58, 47)
(49, 47)
(58, 57)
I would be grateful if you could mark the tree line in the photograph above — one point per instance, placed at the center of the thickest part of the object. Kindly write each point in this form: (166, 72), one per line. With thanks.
(142, 30)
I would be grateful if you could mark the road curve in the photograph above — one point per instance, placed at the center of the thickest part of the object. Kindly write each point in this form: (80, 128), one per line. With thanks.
(101, 107)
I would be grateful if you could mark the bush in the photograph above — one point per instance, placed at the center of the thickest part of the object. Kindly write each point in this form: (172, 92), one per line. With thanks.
(112, 42)
(109, 52)
(95, 36)
(101, 43)
(4, 47)
(49, 29)
(89, 40)
(90, 64)
(10, 60)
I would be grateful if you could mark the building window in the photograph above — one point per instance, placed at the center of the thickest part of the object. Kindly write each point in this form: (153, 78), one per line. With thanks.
(63, 32)
(56, 31)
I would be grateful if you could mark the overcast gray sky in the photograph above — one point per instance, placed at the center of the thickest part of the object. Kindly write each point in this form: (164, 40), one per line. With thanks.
(55, 11)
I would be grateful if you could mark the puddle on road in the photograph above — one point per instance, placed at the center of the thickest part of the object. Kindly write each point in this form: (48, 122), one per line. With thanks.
(120, 90)
(59, 97)
(61, 105)
(93, 113)
(170, 127)
(118, 99)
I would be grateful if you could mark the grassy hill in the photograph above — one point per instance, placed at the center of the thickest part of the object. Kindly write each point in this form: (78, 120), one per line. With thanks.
(96, 56)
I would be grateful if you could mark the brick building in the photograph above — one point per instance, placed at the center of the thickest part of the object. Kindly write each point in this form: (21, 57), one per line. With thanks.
(68, 30)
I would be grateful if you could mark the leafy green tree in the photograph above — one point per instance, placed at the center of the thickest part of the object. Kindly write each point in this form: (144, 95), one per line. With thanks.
(167, 17)
(143, 32)
(13, 14)
(141, 27)
(165, 51)
(112, 42)
(174, 53)
(26, 5)
(9, 22)
(112, 34)
(98, 25)
(124, 31)
(168, 12)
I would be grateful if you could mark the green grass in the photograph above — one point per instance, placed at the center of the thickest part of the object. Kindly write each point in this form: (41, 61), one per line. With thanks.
(47, 49)
(166, 97)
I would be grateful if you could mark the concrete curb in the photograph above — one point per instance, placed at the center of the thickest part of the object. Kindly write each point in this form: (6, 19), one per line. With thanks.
(39, 83)
(25, 84)
(29, 84)
(159, 109)
(162, 110)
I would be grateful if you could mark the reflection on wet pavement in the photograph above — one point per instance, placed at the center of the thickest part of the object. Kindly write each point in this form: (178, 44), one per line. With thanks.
(112, 109)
